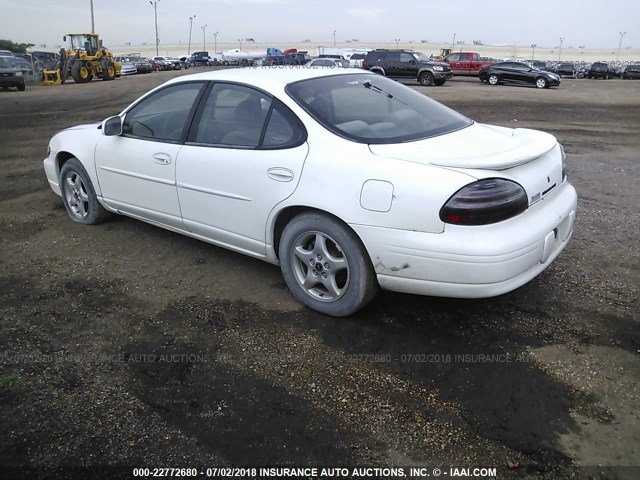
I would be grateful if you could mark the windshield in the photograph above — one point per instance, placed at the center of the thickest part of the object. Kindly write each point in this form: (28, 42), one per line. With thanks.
(421, 57)
(6, 62)
(369, 108)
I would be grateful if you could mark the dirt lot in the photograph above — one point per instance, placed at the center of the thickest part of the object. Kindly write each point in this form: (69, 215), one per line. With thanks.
(124, 344)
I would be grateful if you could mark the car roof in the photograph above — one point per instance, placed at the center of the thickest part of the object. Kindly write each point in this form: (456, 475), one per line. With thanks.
(267, 77)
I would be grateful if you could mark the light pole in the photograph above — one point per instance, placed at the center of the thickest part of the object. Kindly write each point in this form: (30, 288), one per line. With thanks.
(93, 24)
(533, 50)
(215, 42)
(190, 29)
(155, 11)
(622, 34)
(334, 38)
(240, 44)
(397, 40)
(453, 42)
(560, 51)
(204, 38)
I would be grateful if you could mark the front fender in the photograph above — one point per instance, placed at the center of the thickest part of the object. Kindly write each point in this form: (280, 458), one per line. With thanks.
(79, 142)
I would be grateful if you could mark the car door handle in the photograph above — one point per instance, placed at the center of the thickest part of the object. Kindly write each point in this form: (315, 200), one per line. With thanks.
(280, 174)
(162, 158)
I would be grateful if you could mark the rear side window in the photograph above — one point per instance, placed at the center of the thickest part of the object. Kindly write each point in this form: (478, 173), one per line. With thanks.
(238, 116)
(233, 115)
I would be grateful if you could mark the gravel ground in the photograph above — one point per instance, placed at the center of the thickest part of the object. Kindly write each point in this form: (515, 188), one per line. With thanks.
(124, 344)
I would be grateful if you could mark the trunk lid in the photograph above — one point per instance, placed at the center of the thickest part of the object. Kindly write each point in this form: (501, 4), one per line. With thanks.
(477, 146)
(529, 157)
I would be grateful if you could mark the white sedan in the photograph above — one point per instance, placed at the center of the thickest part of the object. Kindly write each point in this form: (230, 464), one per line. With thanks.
(346, 179)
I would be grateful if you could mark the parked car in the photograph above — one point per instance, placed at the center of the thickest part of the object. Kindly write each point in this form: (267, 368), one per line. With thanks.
(328, 63)
(127, 67)
(518, 73)
(407, 63)
(537, 64)
(356, 59)
(631, 71)
(200, 59)
(348, 180)
(467, 63)
(164, 63)
(10, 76)
(143, 64)
(24, 66)
(565, 69)
(600, 70)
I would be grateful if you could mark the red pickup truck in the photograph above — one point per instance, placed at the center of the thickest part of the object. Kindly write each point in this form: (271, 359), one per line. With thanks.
(466, 63)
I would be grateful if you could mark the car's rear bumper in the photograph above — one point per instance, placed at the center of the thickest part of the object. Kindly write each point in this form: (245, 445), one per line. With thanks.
(473, 262)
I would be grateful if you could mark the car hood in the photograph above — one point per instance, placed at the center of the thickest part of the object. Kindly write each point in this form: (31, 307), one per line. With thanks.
(88, 126)
(476, 146)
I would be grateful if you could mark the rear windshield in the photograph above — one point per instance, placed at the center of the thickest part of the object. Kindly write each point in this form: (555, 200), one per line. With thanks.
(370, 108)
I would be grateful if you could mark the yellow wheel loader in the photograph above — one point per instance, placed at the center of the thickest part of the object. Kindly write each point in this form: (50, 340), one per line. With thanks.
(86, 58)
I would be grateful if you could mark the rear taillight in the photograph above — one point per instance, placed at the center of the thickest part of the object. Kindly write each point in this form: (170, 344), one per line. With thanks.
(564, 163)
(486, 201)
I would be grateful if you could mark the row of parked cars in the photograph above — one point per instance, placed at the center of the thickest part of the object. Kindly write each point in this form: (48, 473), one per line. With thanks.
(594, 70)
(135, 63)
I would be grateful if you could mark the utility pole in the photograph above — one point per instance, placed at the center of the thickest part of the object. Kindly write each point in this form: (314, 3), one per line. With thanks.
(453, 43)
(397, 40)
(334, 38)
(204, 38)
(215, 42)
(533, 50)
(190, 29)
(93, 23)
(560, 51)
(155, 11)
(622, 34)
(240, 44)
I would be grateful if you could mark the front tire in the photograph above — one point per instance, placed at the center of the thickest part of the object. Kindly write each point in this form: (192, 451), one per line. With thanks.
(426, 79)
(78, 195)
(440, 82)
(541, 82)
(80, 72)
(325, 265)
(108, 70)
(494, 79)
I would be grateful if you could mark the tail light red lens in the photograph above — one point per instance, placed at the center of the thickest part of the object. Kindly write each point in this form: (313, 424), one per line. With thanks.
(486, 201)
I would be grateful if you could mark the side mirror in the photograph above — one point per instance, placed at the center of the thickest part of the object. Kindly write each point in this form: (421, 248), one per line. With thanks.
(112, 126)
(64, 39)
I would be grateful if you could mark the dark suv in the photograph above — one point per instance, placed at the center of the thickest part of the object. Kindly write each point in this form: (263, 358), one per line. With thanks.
(600, 70)
(406, 63)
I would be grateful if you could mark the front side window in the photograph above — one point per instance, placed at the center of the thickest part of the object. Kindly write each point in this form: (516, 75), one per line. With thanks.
(421, 57)
(163, 115)
(406, 58)
(369, 108)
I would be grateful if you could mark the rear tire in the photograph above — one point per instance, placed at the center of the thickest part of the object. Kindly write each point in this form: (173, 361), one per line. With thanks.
(78, 195)
(426, 79)
(325, 265)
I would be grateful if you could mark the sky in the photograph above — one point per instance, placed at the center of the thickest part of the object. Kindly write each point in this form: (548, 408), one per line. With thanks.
(278, 22)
